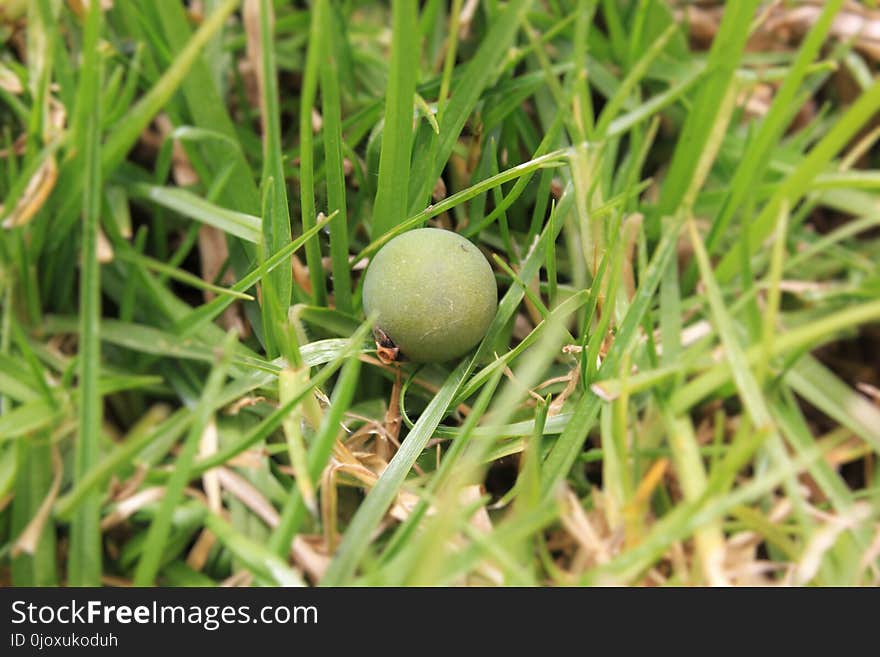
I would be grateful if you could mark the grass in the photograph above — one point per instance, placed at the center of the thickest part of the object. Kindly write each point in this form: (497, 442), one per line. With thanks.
(679, 387)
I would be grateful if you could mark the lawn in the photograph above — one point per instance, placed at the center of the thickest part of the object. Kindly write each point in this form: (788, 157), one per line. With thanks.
(680, 206)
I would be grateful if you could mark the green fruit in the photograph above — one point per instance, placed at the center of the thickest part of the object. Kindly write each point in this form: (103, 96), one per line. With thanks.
(434, 294)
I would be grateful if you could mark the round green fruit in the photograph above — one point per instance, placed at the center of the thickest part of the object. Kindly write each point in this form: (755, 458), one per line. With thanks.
(433, 292)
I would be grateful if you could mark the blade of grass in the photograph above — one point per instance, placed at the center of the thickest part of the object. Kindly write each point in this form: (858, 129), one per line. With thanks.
(553, 159)
(307, 155)
(276, 222)
(564, 452)
(356, 539)
(157, 536)
(713, 95)
(819, 386)
(200, 316)
(33, 482)
(465, 93)
(681, 522)
(747, 386)
(449, 56)
(801, 338)
(770, 131)
(179, 274)
(244, 226)
(176, 424)
(745, 380)
(331, 106)
(771, 311)
(795, 186)
(390, 208)
(294, 511)
(635, 75)
(256, 557)
(84, 559)
(129, 129)
(708, 539)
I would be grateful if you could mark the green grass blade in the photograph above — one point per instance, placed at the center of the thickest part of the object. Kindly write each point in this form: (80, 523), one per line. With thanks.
(798, 183)
(356, 539)
(276, 222)
(294, 511)
(244, 226)
(84, 560)
(771, 128)
(714, 93)
(390, 206)
(136, 119)
(157, 537)
(255, 556)
(331, 105)
(307, 155)
(465, 94)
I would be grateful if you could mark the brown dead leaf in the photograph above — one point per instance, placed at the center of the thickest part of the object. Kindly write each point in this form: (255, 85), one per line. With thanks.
(245, 402)
(127, 507)
(104, 248)
(254, 52)
(248, 495)
(391, 424)
(19, 146)
(329, 508)
(29, 538)
(307, 554)
(201, 550)
(34, 196)
(872, 391)
(182, 170)
(589, 530)
(466, 17)
(9, 81)
(213, 254)
(79, 7)
(824, 538)
(631, 226)
(208, 445)
(480, 520)
(239, 579)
